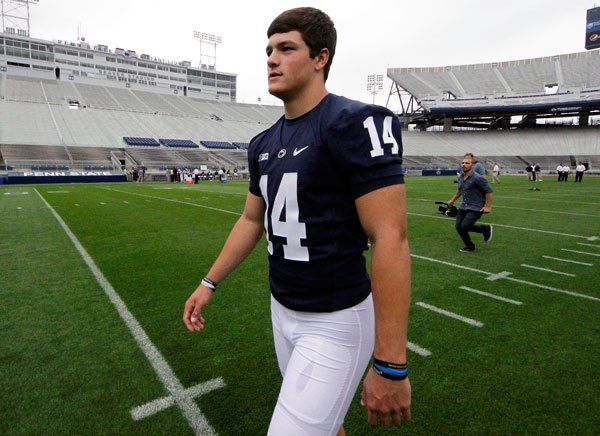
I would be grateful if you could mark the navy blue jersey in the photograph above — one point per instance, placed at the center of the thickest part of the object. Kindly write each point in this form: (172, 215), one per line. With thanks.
(309, 171)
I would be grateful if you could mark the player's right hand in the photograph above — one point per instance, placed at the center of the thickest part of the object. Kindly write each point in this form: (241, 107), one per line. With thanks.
(192, 317)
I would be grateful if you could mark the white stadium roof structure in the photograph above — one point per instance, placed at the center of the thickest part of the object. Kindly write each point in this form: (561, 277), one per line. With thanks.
(488, 95)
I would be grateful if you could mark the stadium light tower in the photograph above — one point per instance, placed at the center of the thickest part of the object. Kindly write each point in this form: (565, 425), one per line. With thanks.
(374, 84)
(15, 16)
(211, 40)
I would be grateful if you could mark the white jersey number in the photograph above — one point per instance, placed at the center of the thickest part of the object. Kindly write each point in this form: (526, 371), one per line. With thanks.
(387, 136)
(286, 200)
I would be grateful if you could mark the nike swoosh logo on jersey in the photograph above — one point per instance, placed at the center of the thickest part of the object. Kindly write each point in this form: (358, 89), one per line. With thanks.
(297, 152)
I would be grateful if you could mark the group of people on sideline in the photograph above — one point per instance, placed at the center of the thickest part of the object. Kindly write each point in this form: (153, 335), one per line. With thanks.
(564, 170)
(138, 174)
(187, 175)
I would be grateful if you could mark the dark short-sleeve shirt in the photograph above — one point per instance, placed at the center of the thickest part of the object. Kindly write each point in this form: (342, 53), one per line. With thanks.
(309, 171)
(473, 191)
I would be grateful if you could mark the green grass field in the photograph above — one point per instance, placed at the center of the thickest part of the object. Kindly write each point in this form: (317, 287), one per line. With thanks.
(104, 351)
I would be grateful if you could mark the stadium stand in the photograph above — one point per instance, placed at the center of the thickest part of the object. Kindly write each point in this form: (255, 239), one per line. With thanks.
(77, 123)
(494, 110)
(506, 86)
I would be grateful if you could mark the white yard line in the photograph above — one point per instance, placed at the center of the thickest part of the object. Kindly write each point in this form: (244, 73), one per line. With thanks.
(581, 252)
(588, 245)
(449, 314)
(528, 229)
(506, 275)
(524, 265)
(495, 297)
(172, 200)
(418, 349)
(568, 260)
(545, 211)
(163, 403)
(171, 383)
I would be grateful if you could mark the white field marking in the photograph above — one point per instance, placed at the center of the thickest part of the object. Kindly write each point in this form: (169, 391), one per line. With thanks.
(76, 204)
(57, 192)
(550, 288)
(588, 245)
(418, 349)
(153, 407)
(500, 275)
(495, 297)
(568, 260)
(103, 203)
(176, 201)
(545, 211)
(202, 190)
(454, 265)
(171, 383)
(125, 201)
(507, 275)
(524, 265)
(581, 252)
(547, 200)
(589, 238)
(16, 193)
(469, 321)
(19, 208)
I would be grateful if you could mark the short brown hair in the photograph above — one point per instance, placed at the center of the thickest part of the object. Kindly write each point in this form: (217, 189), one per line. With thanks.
(315, 26)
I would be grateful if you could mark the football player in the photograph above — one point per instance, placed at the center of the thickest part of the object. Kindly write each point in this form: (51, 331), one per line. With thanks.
(325, 179)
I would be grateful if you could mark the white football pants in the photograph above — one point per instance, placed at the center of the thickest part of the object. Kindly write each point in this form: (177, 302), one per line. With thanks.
(322, 358)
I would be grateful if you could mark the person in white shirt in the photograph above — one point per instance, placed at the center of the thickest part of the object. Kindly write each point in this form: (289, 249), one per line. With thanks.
(496, 173)
(579, 170)
(566, 170)
(559, 170)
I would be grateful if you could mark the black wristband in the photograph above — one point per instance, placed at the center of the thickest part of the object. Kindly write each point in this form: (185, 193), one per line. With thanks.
(209, 283)
(389, 370)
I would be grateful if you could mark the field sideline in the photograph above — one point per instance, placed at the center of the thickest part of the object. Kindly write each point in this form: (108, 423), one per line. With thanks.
(503, 340)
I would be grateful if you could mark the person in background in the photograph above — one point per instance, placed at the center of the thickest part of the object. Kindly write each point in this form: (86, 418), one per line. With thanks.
(477, 199)
(496, 173)
(329, 316)
(579, 170)
(559, 171)
(537, 172)
(565, 172)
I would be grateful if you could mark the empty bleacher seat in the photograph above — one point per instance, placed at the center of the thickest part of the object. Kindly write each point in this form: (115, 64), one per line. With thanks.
(135, 140)
(241, 145)
(223, 145)
(186, 143)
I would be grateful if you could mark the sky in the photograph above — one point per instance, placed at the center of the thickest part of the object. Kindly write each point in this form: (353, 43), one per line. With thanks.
(372, 35)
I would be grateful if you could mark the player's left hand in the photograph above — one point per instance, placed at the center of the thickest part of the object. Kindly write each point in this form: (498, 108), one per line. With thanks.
(387, 401)
(486, 209)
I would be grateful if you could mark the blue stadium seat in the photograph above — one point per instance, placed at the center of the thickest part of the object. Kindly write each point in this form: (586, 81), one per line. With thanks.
(135, 140)
(184, 143)
(220, 145)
